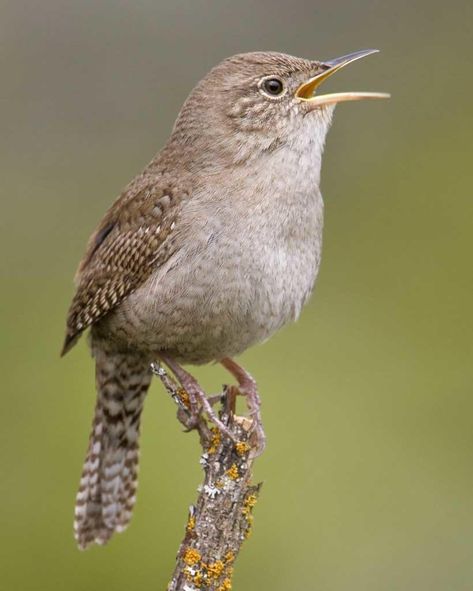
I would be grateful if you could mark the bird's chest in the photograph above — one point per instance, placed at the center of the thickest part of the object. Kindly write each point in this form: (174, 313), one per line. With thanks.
(262, 252)
(279, 265)
(248, 270)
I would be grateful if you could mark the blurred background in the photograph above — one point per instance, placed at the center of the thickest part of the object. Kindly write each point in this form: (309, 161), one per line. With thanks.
(367, 399)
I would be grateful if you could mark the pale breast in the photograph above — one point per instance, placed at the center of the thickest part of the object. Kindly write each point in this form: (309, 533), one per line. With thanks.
(247, 261)
(233, 286)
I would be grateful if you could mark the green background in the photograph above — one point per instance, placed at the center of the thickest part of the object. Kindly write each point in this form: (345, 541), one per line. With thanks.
(367, 400)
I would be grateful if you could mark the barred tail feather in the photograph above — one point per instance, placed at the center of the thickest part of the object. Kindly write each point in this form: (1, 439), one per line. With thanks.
(107, 490)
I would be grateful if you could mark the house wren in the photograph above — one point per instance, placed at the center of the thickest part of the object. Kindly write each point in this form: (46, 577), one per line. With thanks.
(211, 249)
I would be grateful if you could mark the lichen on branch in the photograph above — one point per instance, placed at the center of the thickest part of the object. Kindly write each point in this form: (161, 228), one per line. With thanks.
(222, 517)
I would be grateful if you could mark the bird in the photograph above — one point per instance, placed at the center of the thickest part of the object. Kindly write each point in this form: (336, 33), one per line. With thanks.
(211, 249)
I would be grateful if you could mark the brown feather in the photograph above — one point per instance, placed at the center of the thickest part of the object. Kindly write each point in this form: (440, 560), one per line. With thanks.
(129, 243)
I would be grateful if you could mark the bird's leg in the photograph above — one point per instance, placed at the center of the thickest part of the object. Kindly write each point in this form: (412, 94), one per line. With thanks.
(247, 386)
(197, 398)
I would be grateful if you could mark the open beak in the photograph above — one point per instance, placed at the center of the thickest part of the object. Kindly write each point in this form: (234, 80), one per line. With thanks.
(307, 91)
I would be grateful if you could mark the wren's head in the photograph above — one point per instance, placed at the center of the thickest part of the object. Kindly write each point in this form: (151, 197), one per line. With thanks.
(255, 103)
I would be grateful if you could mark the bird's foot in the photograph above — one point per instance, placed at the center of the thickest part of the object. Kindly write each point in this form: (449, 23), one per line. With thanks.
(248, 388)
(198, 401)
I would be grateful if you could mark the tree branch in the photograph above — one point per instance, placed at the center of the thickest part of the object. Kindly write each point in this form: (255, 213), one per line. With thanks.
(221, 518)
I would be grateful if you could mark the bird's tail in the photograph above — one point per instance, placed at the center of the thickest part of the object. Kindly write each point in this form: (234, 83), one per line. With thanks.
(107, 490)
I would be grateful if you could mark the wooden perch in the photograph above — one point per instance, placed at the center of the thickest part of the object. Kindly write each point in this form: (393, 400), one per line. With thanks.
(221, 518)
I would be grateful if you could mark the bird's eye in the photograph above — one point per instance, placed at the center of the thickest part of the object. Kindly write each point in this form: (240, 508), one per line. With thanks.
(273, 86)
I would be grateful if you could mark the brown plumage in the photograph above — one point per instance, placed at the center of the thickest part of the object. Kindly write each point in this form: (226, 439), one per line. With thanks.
(123, 250)
(107, 489)
(121, 254)
(212, 248)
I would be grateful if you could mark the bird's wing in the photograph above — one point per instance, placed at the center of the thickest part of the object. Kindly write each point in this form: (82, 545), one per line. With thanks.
(131, 241)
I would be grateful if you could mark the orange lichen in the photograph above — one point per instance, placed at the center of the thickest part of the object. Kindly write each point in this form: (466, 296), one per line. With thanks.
(247, 509)
(226, 585)
(249, 522)
(215, 569)
(251, 501)
(190, 523)
(242, 447)
(183, 398)
(192, 556)
(198, 579)
(215, 441)
(233, 472)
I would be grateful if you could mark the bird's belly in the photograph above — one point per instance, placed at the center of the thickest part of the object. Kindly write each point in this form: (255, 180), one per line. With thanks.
(207, 307)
